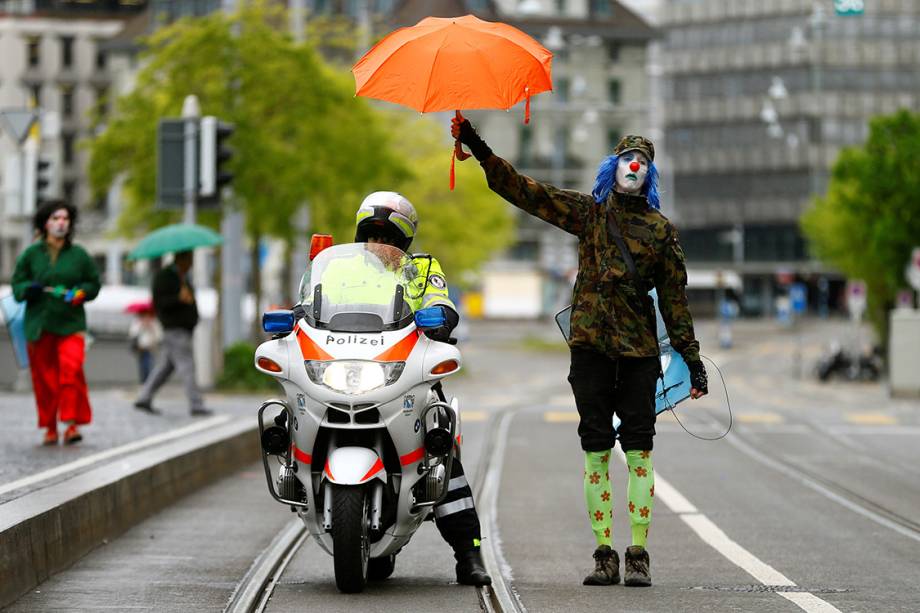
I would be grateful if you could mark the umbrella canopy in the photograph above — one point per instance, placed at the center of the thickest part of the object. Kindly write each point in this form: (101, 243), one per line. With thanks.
(142, 306)
(175, 238)
(454, 63)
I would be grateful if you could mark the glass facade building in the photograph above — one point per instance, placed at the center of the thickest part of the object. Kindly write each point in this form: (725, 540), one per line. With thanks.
(760, 97)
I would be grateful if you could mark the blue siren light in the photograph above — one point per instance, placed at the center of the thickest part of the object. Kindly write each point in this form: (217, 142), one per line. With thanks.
(432, 317)
(278, 322)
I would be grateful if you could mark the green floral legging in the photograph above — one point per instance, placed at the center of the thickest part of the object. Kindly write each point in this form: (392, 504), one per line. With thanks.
(640, 493)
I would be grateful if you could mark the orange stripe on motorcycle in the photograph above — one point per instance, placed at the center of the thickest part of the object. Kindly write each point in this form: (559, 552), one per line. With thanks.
(412, 456)
(401, 350)
(377, 467)
(302, 456)
(309, 349)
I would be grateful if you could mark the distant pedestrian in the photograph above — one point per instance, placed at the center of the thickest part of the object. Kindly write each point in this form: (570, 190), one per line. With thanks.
(174, 302)
(145, 335)
(55, 277)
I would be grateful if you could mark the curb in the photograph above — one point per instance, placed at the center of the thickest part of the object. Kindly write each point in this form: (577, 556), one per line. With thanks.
(45, 531)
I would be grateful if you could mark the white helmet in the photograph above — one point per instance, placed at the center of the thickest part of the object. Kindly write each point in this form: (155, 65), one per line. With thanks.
(389, 215)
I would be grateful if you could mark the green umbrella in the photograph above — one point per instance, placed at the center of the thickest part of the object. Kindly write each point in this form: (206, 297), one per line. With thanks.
(174, 238)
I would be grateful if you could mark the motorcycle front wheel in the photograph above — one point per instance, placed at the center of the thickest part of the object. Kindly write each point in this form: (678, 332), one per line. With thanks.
(350, 541)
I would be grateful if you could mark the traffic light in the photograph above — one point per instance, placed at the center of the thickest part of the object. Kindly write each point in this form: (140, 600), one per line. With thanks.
(36, 179)
(171, 163)
(214, 157)
(42, 180)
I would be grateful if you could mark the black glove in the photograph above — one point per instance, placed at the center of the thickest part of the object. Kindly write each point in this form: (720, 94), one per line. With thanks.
(471, 139)
(34, 291)
(698, 378)
(442, 333)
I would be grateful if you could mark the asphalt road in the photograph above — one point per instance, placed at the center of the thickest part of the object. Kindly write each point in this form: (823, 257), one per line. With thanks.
(812, 502)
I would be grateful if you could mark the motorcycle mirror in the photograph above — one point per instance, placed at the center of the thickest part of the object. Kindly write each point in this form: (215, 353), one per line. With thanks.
(432, 317)
(319, 242)
(278, 322)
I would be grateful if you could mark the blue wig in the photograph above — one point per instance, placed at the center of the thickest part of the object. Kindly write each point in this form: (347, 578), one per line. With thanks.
(606, 176)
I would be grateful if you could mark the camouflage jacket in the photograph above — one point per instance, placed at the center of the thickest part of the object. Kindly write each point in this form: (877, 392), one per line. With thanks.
(608, 313)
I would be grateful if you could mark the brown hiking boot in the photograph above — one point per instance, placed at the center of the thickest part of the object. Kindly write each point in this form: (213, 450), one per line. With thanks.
(637, 571)
(606, 567)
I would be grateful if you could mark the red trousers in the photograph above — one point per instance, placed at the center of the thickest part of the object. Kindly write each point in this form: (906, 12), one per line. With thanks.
(58, 380)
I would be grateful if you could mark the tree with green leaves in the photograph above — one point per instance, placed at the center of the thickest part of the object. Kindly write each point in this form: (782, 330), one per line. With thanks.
(302, 139)
(869, 220)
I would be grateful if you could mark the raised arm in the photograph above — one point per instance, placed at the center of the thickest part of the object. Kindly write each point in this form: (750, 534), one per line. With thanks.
(565, 209)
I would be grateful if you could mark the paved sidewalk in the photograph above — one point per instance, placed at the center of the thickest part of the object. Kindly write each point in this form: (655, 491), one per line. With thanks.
(115, 423)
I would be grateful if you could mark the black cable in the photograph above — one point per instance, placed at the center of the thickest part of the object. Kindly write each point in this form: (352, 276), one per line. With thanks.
(728, 402)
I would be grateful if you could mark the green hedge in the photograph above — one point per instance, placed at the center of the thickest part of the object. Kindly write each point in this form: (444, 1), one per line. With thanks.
(240, 373)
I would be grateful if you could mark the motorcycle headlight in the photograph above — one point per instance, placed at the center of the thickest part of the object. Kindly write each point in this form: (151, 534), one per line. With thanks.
(353, 376)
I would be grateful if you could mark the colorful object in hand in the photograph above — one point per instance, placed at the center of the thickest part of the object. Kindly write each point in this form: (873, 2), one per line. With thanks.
(75, 297)
(455, 63)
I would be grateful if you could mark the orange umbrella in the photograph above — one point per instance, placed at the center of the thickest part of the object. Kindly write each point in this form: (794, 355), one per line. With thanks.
(455, 63)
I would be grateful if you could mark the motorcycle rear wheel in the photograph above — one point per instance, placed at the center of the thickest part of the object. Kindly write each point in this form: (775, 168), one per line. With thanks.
(350, 541)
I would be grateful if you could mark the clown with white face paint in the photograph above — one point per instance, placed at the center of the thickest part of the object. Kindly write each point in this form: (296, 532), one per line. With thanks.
(632, 168)
(614, 347)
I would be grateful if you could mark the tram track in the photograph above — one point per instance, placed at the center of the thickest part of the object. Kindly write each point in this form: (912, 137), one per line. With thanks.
(255, 589)
(827, 487)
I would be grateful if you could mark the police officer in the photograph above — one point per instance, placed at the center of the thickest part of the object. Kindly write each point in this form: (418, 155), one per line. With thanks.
(388, 217)
(614, 347)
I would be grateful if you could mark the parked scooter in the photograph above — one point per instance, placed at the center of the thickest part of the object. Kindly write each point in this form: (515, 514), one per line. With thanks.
(364, 437)
(836, 362)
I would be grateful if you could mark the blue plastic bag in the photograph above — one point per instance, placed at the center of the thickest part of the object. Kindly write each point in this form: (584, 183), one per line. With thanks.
(675, 387)
(14, 315)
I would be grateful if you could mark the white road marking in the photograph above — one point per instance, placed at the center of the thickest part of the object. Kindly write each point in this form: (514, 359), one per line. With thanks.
(104, 455)
(713, 536)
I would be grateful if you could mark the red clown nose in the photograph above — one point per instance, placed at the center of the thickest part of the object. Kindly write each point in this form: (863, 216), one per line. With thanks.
(634, 166)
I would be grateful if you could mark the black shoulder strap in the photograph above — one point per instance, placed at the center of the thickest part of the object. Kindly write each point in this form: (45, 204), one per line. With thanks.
(614, 230)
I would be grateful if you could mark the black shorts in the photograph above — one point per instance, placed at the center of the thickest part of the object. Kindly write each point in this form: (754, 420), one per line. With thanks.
(605, 387)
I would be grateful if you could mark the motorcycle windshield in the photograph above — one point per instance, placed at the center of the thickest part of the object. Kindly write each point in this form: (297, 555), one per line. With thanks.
(358, 287)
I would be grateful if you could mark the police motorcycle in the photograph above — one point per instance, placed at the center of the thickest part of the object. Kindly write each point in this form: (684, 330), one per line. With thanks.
(362, 444)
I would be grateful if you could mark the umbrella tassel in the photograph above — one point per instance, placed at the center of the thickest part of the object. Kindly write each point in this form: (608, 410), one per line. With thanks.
(527, 106)
(453, 156)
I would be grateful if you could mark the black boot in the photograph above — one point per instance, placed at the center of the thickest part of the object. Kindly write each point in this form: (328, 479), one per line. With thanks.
(638, 567)
(606, 567)
(470, 569)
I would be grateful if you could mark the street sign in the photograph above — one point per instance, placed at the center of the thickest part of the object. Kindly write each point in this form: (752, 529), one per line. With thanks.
(856, 298)
(846, 8)
(18, 122)
(913, 269)
(798, 294)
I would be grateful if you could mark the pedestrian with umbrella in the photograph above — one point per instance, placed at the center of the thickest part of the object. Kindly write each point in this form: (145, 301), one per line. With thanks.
(55, 277)
(176, 309)
(625, 248)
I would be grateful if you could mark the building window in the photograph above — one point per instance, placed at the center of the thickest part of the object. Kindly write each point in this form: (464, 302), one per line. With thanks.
(34, 51)
(613, 51)
(68, 140)
(67, 100)
(561, 7)
(69, 190)
(562, 89)
(102, 100)
(525, 153)
(601, 7)
(614, 91)
(101, 59)
(614, 134)
(67, 51)
(35, 91)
